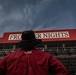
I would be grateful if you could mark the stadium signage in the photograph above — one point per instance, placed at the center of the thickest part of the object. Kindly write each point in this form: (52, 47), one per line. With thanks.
(48, 35)
(14, 37)
(44, 35)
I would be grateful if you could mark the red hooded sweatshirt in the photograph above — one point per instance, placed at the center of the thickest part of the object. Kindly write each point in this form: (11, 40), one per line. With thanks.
(35, 62)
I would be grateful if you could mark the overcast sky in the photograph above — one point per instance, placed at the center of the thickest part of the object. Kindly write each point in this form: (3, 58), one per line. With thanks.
(20, 15)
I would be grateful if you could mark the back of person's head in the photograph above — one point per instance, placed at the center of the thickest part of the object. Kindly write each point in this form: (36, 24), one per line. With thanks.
(28, 40)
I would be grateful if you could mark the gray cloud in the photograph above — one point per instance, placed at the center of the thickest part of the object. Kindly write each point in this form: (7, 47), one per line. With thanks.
(19, 15)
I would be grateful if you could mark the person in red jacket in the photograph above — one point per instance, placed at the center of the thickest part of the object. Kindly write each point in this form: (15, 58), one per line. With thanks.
(31, 61)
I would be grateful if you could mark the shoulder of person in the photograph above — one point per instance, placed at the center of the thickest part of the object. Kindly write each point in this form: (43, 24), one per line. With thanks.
(14, 55)
(38, 51)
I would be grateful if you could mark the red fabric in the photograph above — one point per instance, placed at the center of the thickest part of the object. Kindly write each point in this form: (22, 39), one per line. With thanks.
(35, 63)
